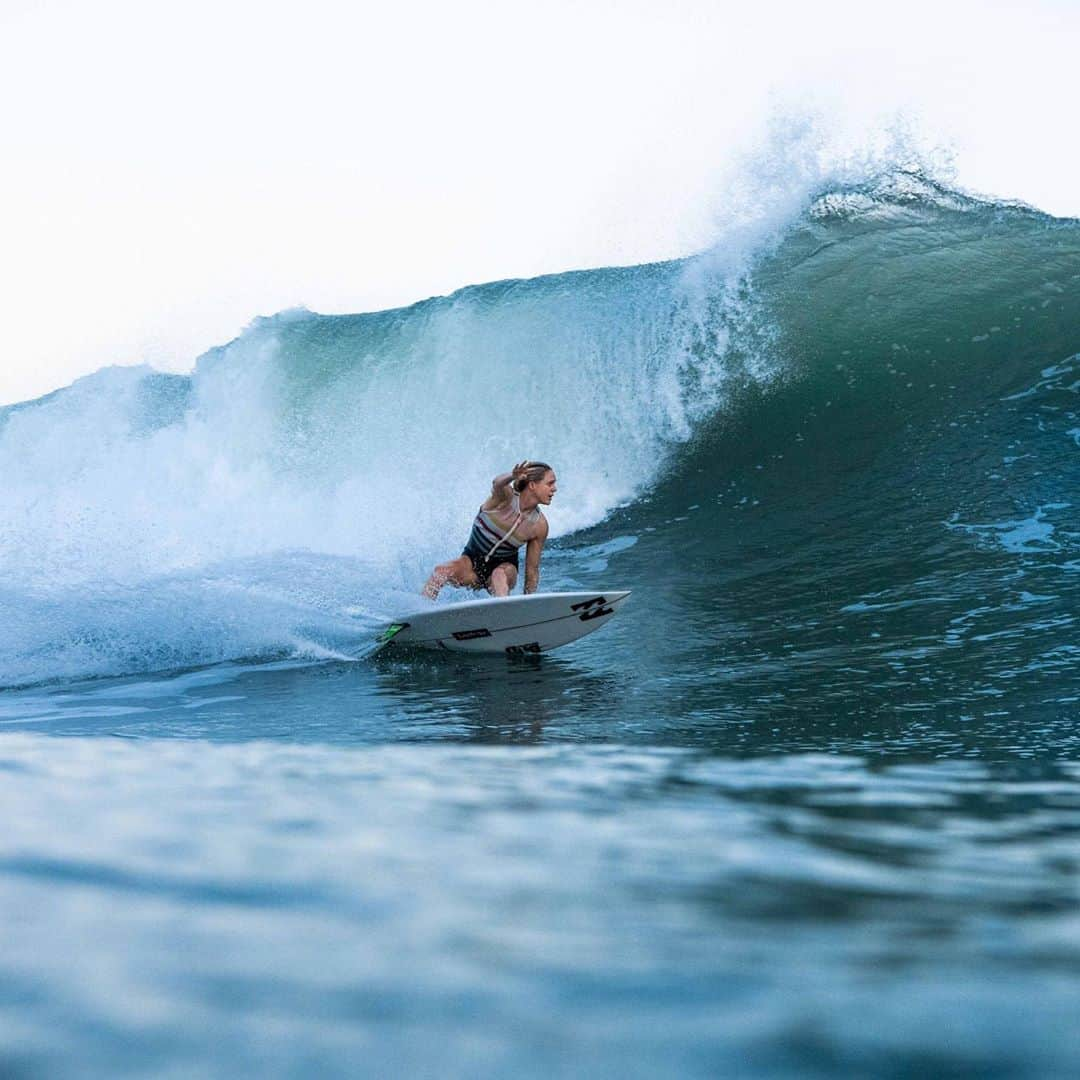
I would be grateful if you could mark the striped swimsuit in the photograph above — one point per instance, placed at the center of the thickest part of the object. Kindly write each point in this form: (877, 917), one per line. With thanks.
(493, 541)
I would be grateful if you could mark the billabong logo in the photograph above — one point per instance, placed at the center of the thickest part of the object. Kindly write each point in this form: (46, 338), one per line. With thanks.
(592, 608)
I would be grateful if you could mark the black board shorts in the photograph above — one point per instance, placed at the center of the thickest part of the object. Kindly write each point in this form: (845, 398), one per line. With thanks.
(483, 567)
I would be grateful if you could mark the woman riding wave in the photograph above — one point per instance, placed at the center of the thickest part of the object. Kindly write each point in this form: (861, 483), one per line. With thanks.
(508, 520)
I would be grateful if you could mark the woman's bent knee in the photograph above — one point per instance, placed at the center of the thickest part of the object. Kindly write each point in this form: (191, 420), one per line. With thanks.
(503, 579)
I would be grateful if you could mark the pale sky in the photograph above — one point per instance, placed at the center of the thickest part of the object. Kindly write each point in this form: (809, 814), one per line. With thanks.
(172, 170)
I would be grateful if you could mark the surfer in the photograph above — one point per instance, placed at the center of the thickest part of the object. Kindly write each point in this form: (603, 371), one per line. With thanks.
(509, 519)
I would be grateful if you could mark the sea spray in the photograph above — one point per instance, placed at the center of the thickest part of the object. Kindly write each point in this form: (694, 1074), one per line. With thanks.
(300, 483)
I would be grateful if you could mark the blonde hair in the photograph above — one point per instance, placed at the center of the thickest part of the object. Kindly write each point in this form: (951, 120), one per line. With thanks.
(536, 470)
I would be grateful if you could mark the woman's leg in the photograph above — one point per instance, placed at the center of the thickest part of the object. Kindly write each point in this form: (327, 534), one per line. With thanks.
(457, 571)
(503, 579)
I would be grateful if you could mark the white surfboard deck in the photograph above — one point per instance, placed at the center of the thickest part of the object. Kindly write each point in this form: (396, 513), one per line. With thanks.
(513, 625)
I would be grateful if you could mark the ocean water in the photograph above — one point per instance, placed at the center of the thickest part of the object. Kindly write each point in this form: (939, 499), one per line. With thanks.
(809, 806)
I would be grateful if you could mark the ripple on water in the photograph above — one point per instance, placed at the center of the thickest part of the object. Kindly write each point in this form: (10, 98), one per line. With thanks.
(228, 906)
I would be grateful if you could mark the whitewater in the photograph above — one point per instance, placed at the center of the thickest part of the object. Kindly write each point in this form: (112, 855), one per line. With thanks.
(809, 806)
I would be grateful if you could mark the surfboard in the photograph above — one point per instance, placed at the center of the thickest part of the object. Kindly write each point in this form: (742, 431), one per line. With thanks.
(512, 625)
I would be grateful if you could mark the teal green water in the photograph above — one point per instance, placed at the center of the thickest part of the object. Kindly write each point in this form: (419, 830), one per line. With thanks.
(809, 806)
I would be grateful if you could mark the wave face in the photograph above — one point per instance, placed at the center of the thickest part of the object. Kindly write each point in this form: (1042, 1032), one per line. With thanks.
(861, 418)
